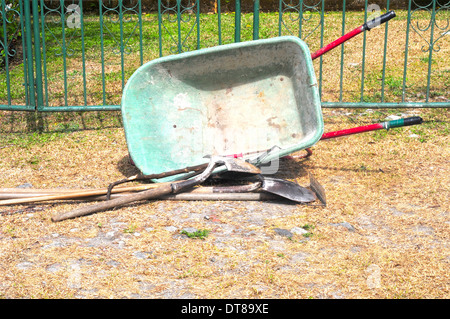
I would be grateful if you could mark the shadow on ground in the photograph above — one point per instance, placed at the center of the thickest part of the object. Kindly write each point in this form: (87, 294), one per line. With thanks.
(57, 122)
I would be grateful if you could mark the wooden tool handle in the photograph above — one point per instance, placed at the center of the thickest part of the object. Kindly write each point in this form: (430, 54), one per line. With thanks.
(49, 195)
(91, 209)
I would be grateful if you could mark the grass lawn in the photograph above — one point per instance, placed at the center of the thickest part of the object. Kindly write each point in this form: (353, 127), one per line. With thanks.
(80, 78)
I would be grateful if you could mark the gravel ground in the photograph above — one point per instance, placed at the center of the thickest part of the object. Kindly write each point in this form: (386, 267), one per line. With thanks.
(383, 234)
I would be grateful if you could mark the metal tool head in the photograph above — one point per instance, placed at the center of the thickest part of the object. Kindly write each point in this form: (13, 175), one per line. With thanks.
(236, 168)
(232, 165)
(239, 165)
(318, 189)
(287, 190)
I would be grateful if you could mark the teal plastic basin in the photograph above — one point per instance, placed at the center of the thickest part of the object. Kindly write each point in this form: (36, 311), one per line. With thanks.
(240, 98)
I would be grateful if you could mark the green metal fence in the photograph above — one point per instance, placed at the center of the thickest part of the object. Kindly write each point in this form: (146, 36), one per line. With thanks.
(59, 55)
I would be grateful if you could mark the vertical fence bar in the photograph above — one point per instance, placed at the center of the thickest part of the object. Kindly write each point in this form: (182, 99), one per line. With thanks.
(160, 28)
(363, 67)
(122, 61)
(24, 55)
(44, 53)
(219, 22)
(383, 74)
(322, 22)
(6, 53)
(300, 18)
(141, 51)
(280, 15)
(197, 17)
(430, 55)
(83, 53)
(102, 49)
(255, 19)
(29, 49)
(64, 49)
(405, 64)
(180, 49)
(237, 21)
(342, 55)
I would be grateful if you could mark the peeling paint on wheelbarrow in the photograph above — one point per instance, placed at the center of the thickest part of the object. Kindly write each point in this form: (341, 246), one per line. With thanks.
(241, 98)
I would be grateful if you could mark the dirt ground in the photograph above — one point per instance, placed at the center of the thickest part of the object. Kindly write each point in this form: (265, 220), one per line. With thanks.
(383, 234)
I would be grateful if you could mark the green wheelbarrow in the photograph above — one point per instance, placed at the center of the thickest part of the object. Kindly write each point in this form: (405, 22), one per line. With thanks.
(258, 100)
(240, 99)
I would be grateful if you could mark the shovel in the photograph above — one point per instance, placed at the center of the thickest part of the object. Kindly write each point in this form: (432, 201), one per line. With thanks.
(232, 164)
(287, 189)
(279, 187)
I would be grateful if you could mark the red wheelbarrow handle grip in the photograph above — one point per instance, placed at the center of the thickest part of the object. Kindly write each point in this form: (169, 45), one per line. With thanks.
(402, 122)
(366, 26)
(379, 20)
(360, 129)
(372, 127)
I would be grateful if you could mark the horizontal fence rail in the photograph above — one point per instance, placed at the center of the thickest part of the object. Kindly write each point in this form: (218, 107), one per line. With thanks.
(60, 55)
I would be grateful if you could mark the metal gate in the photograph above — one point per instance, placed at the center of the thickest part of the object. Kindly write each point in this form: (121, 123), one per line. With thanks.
(76, 55)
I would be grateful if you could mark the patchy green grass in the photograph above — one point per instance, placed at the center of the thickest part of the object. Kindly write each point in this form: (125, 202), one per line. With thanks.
(198, 234)
(28, 140)
(96, 75)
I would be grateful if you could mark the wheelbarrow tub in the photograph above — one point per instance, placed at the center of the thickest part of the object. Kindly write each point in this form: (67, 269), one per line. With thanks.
(238, 98)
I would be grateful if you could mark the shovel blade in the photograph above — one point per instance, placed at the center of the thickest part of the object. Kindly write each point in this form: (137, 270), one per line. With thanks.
(288, 190)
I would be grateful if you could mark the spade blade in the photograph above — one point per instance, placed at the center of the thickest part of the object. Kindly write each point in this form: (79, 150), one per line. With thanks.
(288, 190)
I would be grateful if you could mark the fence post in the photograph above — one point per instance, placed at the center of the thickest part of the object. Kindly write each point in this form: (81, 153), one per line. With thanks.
(255, 19)
(430, 55)
(29, 54)
(37, 56)
(159, 28)
(237, 21)
(179, 45)
(5, 49)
